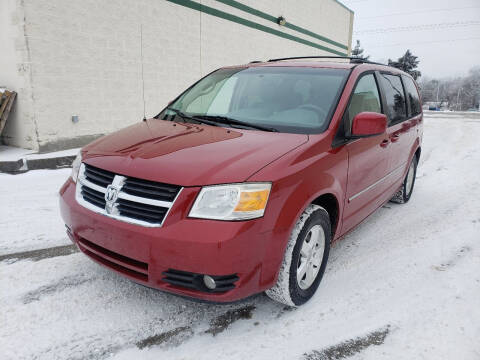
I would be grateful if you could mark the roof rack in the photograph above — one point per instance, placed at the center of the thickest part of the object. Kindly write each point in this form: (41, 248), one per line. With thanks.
(353, 60)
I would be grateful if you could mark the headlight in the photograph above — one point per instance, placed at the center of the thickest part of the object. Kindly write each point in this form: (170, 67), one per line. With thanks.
(76, 166)
(231, 202)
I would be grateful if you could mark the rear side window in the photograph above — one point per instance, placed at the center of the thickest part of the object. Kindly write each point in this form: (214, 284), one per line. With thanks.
(395, 106)
(365, 98)
(413, 98)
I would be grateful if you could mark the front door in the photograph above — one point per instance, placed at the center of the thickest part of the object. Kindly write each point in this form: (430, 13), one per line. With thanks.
(368, 158)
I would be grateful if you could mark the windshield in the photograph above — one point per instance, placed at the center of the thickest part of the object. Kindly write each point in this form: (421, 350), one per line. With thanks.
(287, 99)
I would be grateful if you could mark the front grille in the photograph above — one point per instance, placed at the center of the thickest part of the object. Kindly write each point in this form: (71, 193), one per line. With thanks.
(133, 200)
(94, 197)
(144, 212)
(134, 268)
(195, 281)
(150, 189)
(98, 176)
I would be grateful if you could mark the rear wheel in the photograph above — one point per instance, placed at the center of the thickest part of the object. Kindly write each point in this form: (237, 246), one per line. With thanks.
(305, 258)
(405, 192)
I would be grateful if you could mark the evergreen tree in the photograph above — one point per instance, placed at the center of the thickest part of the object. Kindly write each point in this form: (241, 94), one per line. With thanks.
(407, 63)
(357, 52)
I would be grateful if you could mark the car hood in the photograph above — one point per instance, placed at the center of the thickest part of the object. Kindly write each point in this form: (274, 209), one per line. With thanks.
(188, 154)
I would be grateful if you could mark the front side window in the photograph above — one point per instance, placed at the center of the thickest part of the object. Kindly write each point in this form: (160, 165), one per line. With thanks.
(395, 106)
(365, 97)
(288, 99)
(412, 93)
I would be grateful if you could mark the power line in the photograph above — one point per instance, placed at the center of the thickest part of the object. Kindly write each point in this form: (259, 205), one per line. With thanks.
(423, 27)
(425, 42)
(418, 12)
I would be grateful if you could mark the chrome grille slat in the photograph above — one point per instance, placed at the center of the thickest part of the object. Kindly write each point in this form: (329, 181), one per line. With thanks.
(137, 201)
(91, 185)
(143, 200)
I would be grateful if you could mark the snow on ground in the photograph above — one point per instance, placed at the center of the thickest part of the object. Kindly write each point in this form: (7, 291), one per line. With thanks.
(69, 152)
(11, 153)
(404, 285)
(29, 213)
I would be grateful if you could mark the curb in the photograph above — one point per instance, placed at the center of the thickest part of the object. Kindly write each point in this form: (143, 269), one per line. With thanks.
(23, 165)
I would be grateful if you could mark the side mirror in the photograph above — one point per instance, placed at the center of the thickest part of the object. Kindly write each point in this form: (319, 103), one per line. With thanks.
(369, 124)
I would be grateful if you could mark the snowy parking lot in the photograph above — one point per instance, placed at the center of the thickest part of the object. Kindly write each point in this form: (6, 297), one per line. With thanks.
(403, 285)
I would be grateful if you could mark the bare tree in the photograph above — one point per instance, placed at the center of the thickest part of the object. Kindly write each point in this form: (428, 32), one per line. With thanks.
(461, 93)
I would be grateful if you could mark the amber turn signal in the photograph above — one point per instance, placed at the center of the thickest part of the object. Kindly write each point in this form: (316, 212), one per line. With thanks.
(252, 200)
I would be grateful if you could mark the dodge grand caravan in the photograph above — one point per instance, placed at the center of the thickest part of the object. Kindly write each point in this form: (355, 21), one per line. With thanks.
(241, 183)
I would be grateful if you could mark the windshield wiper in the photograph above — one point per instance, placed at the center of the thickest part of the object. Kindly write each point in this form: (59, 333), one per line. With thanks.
(229, 121)
(194, 118)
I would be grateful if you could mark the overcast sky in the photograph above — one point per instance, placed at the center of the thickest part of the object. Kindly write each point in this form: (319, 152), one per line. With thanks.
(444, 34)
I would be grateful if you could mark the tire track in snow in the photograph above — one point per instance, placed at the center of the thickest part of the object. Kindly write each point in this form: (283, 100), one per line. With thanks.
(40, 254)
(55, 287)
(350, 347)
(173, 337)
(222, 322)
(461, 253)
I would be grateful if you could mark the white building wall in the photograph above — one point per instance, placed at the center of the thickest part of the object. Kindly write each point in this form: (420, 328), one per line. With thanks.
(83, 56)
(15, 74)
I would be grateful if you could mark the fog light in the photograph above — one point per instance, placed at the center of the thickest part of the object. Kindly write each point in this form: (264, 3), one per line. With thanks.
(209, 282)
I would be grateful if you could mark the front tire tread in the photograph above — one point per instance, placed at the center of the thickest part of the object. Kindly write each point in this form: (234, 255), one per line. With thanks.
(286, 289)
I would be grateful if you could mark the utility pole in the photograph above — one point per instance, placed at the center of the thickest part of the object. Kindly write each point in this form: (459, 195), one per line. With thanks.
(458, 96)
(438, 91)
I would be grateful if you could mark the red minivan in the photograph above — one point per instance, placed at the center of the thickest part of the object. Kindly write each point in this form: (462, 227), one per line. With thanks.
(241, 184)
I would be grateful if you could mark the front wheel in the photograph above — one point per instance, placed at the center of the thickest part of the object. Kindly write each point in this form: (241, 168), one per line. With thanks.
(305, 258)
(405, 192)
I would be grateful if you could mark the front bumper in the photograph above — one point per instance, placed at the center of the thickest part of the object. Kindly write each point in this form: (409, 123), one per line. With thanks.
(216, 248)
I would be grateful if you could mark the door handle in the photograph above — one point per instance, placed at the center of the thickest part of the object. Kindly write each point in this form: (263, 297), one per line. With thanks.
(395, 137)
(384, 143)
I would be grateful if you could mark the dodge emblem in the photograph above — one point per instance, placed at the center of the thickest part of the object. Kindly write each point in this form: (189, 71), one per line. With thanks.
(111, 194)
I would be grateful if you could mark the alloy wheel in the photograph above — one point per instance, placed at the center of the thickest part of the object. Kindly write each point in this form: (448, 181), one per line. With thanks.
(311, 256)
(410, 178)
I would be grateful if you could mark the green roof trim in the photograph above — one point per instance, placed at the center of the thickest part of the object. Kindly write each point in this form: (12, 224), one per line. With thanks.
(248, 9)
(251, 24)
(272, 18)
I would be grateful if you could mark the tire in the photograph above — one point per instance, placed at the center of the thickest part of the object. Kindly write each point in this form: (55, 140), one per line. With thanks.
(293, 290)
(403, 195)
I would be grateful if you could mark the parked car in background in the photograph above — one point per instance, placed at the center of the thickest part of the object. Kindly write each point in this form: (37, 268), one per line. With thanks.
(241, 184)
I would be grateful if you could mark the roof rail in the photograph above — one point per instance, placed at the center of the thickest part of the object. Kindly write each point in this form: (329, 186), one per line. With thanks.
(353, 60)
